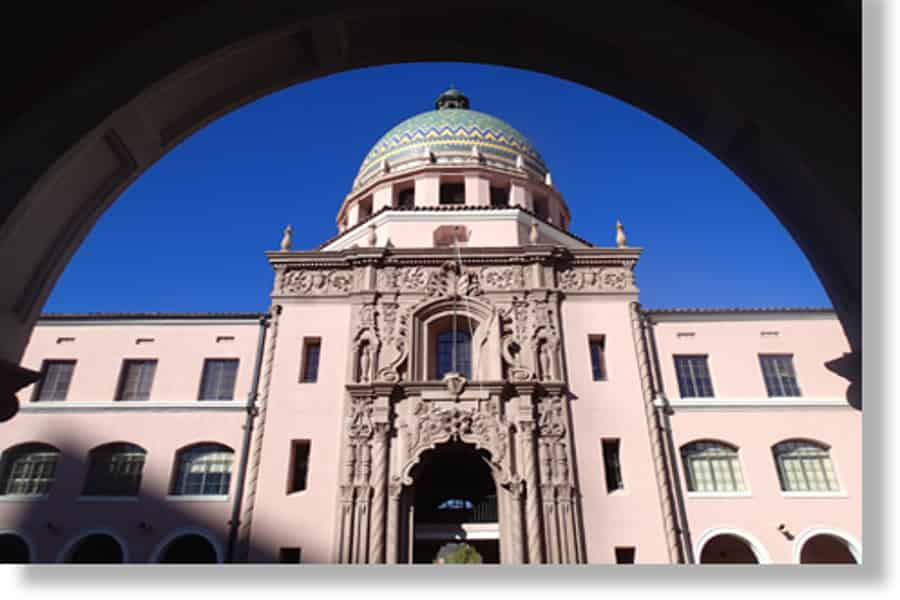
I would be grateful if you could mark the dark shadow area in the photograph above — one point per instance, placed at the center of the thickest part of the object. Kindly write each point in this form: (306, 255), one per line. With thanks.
(826, 550)
(727, 549)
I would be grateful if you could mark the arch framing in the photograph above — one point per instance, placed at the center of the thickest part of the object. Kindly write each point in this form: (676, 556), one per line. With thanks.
(759, 551)
(158, 550)
(70, 546)
(29, 542)
(853, 545)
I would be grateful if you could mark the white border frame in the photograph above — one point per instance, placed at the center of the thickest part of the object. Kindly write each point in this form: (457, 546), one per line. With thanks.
(158, 550)
(32, 549)
(73, 541)
(762, 556)
(807, 534)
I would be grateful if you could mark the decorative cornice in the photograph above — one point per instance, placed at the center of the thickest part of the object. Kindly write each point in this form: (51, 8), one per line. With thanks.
(137, 405)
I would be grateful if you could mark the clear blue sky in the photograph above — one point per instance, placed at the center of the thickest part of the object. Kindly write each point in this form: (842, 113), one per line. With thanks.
(190, 234)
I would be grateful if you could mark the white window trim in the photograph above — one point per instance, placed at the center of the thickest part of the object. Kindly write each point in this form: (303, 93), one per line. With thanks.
(738, 494)
(156, 554)
(24, 497)
(762, 555)
(718, 403)
(197, 498)
(814, 494)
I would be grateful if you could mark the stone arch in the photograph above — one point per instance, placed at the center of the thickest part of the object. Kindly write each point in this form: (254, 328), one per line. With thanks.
(159, 551)
(852, 544)
(755, 546)
(73, 544)
(11, 536)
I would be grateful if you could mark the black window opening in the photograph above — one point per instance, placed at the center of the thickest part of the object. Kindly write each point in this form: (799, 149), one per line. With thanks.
(541, 207)
(115, 470)
(136, 379)
(454, 353)
(289, 555)
(499, 197)
(597, 346)
(625, 555)
(365, 209)
(310, 368)
(56, 376)
(612, 465)
(406, 198)
(693, 376)
(779, 375)
(219, 375)
(299, 465)
(453, 193)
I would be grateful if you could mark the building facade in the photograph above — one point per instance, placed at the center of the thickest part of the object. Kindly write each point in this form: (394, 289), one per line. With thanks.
(453, 366)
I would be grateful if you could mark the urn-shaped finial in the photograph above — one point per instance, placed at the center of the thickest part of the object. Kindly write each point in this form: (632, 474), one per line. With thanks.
(620, 235)
(548, 180)
(286, 239)
(533, 234)
(520, 162)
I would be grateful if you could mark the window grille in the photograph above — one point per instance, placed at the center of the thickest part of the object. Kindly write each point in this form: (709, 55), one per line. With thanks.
(136, 379)
(445, 353)
(204, 469)
(712, 467)
(693, 377)
(28, 470)
(805, 467)
(218, 379)
(778, 373)
(115, 470)
(55, 379)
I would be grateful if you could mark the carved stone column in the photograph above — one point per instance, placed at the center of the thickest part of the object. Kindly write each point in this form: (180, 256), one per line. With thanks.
(393, 521)
(516, 496)
(533, 521)
(548, 493)
(379, 489)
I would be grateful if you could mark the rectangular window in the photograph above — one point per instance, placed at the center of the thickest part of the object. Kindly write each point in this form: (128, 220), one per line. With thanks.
(406, 198)
(778, 373)
(453, 193)
(56, 375)
(289, 555)
(693, 376)
(611, 465)
(309, 370)
(597, 345)
(219, 375)
(136, 379)
(299, 465)
(499, 197)
(625, 555)
(541, 209)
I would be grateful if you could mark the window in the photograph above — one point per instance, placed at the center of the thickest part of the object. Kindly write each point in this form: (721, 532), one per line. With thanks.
(365, 209)
(289, 555)
(597, 345)
(453, 193)
(778, 373)
(218, 379)
(499, 197)
(541, 209)
(203, 469)
(28, 469)
(115, 470)
(454, 353)
(804, 467)
(693, 377)
(611, 465)
(712, 467)
(625, 555)
(299, 465)
(136, 379)
(56, 375)
(406, 198)
(309, 370)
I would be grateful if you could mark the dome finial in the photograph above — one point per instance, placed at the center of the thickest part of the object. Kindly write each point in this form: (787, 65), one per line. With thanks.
(451, 98)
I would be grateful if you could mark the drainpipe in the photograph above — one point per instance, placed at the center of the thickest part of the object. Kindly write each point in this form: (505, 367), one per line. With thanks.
(663, 410)
(245, 443)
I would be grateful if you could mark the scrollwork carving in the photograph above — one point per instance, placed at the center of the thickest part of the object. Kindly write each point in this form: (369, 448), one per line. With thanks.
(308, 282)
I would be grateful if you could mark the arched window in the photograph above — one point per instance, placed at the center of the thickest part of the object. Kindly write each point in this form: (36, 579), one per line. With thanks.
(114, 470)
(97, 548)
(28, 469)
(712, 467)
(804, 466)
(454, 353)
(203, 469)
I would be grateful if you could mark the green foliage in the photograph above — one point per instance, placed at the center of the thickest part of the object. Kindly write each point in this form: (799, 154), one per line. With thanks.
(458, 554)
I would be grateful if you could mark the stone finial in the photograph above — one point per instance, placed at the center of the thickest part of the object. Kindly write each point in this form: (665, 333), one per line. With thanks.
(548, 181)
(427, 154)
(373, 239)
(620, 235)
(476, 153)
(520, 162)
(286, 239)
(533, 234)
(385, 167)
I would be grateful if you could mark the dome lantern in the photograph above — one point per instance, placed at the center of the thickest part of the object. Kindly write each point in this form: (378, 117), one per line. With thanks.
(452, 98)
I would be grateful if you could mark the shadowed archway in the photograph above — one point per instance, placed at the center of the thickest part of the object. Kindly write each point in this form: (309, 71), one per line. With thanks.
(102, 95)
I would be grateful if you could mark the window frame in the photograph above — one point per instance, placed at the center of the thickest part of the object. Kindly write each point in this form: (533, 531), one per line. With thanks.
(123, 376)
(677, 358)
(598, 340)
(780, 376)
(779, 452)
(446, 185)
(304, 358)
(614, 480)
(45, 365)
(132, 449)
(179, 483)
(206, 363)
(10, 457)
(292, 466)
(733, 462)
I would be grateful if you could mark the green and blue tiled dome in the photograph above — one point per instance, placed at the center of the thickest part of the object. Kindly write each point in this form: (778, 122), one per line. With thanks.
(452, 126)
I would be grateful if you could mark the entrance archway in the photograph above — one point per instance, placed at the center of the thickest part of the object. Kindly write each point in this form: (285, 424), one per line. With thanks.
(727, 548)
(93, 112)
(453, 499)
(826, 549)
(14, 549)
(191, 548)
(97, 548)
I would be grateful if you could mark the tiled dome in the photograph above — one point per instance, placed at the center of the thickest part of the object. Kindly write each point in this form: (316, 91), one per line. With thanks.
(452, 126)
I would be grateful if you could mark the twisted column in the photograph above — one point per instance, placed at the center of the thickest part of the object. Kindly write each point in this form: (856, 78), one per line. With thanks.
(379, 487)
(393, 522)
(257, 440)
(532, 502)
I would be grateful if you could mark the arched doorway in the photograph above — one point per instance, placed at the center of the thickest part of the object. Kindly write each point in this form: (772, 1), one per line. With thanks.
(14, 549)
(454, 499)
(727, 548)
(96, 548)
(190, 548)
(826, 549)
